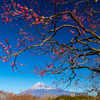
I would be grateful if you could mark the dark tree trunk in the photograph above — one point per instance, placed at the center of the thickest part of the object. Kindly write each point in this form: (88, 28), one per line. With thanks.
(98, 96)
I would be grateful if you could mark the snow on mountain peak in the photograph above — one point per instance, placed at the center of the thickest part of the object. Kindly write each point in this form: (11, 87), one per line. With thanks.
(41, 85)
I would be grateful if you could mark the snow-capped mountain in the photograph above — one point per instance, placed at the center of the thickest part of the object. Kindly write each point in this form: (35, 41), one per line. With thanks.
(41, 85)
(40, 89)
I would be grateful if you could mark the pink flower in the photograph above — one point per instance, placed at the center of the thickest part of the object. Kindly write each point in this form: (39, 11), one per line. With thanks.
(83, 19)
(34, 14)
(36, 20)
(70, 58)
(3, 46)
(20, 12)
(0, 57)
(33, 23)
(9, 46)
(6, 40)
(57, 52)
(13, 70)
(25, 14)
(84, 32)
(8, 52)
(14, 14)
(21, 7)
(73, 46)
(94, 26)
(53, 72)
(72, 31)
(20, 29)
(23, 11)
(74, 11)
(16, 55)
(41, 73)
(35, 2)
(0, 44)
(29, 17)
(5, 60)
(82, 26)
(65, 17)
(38, 11)
(12, 64)
(25, 8)
(62, 51)
(21, 64)
(7, 20)
(18, 5)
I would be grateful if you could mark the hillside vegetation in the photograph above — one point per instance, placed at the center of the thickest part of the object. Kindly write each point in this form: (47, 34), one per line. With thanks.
(11, 96)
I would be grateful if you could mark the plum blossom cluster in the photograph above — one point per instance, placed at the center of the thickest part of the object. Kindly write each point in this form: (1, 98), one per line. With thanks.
(57, 55)
(9, 54)
(14, 64)
(43, 72)
(6, 50)
(21, 12)
(7, 12)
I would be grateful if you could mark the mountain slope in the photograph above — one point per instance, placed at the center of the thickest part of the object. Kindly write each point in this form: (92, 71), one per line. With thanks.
(40, 89)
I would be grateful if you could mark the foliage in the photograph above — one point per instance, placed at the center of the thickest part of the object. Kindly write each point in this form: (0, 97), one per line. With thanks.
(64, 97)
(11, 96)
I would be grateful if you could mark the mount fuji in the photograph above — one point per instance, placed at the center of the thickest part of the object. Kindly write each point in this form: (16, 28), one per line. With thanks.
(41, 89)
(41, 85)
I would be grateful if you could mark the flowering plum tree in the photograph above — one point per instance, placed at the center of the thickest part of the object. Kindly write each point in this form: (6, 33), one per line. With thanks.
(67, 30)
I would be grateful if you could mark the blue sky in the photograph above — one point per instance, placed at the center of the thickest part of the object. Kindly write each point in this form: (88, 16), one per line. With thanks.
(15, 81)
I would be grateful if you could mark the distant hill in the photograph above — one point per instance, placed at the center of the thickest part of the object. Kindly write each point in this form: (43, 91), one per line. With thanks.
(40, 89)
